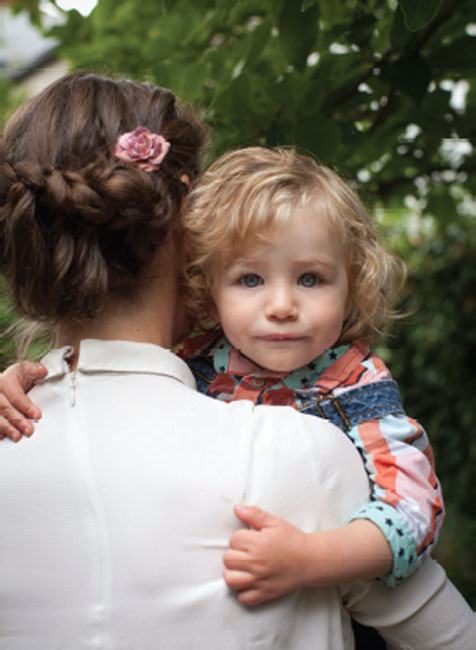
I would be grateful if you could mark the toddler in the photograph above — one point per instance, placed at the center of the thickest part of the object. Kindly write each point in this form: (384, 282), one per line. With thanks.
(281, 253)
(290, 285)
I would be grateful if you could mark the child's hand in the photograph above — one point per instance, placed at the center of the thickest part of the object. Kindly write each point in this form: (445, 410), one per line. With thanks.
(15, 406)
(276, 558)
(267, 561)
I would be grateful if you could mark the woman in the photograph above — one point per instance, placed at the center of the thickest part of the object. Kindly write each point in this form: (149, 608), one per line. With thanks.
(116, 513)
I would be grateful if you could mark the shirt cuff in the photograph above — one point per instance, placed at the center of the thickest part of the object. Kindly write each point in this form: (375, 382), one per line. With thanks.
(397, 534)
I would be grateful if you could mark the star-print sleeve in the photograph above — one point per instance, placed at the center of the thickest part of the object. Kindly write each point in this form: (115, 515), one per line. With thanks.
(406, 500)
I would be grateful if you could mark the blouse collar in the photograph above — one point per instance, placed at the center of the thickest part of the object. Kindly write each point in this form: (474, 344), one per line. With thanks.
(119, 356)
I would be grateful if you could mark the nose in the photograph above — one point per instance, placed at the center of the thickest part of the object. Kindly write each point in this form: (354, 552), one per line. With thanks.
(281, 303)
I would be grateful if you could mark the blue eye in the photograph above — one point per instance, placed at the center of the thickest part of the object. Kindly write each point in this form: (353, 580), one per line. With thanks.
(251, 280)
(308, 280)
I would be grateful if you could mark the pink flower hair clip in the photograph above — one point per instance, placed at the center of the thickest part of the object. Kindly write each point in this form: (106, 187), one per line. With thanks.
(142, 147)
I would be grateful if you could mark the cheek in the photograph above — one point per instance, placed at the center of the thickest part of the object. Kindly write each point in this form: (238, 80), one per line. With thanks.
(219, 304)
(347, 307)
(237, 316)
(346, 298)
(328, 315)
(236, 310)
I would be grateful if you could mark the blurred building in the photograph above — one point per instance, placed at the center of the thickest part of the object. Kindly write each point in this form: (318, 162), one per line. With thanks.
(26, 56)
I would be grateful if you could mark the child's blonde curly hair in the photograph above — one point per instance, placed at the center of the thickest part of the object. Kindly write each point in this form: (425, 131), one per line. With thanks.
(246, 195)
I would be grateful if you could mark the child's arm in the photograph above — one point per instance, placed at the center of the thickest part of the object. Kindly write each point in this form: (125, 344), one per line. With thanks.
(274, 558)
(398, 526)
(15, 406)
(406, 500)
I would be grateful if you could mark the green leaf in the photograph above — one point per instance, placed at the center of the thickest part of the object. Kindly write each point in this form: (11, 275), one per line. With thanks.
(441, 205)
(306, 4)
(461, 54)
(419, 13)
(298, 32)
(33, 9)
(288, 96)
(410, 75)
(319, 136)
(362, 28)
(189, 84)
(399, 33)
(238, 101)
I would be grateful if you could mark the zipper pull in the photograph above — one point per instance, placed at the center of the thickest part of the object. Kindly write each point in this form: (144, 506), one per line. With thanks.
(72, 388)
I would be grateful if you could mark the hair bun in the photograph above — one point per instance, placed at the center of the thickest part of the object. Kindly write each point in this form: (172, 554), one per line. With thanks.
(77, 226)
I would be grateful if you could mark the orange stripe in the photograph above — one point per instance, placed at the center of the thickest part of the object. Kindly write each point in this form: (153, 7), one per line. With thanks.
(386, 470)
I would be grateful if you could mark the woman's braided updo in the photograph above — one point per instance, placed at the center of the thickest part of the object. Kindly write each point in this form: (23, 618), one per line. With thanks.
(77, 225)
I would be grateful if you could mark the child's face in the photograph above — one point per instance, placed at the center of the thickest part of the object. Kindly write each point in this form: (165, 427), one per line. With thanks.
(282, 303)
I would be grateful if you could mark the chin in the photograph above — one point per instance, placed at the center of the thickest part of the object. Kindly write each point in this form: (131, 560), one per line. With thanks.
(286, 365)
(282, 367)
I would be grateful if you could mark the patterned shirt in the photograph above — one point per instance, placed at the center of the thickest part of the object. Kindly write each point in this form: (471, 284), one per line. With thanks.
(345, 384)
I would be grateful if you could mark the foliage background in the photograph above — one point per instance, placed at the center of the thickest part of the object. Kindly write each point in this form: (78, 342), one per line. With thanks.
(369, 87)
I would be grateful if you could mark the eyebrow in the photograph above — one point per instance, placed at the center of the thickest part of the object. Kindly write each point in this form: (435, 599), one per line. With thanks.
(314, 261)
(241, 261)
(301, 262)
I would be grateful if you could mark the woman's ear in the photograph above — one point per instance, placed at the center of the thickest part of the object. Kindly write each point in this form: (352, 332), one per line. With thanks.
(185, 178)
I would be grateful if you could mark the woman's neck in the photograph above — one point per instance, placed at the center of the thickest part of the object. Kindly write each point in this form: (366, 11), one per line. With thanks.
(137, 323)
(129, 323)
(152, 317)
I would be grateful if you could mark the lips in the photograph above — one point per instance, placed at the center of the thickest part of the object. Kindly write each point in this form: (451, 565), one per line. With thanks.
(280, 337)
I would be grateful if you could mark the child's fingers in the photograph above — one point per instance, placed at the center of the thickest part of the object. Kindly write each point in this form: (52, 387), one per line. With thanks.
(30, 372)
(15, 417)
(235, 560)
(7, 430)
(15, 381)
(242, 539)
(238, 579)
(16, 406)
(254, 516)
(25, 407)
(12, 422)
(253, 597)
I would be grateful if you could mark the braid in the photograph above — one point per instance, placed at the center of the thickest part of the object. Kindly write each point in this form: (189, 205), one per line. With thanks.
(78, 226)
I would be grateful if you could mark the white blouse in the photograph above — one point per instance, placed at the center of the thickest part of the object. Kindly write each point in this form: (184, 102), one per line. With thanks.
(115, 515)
